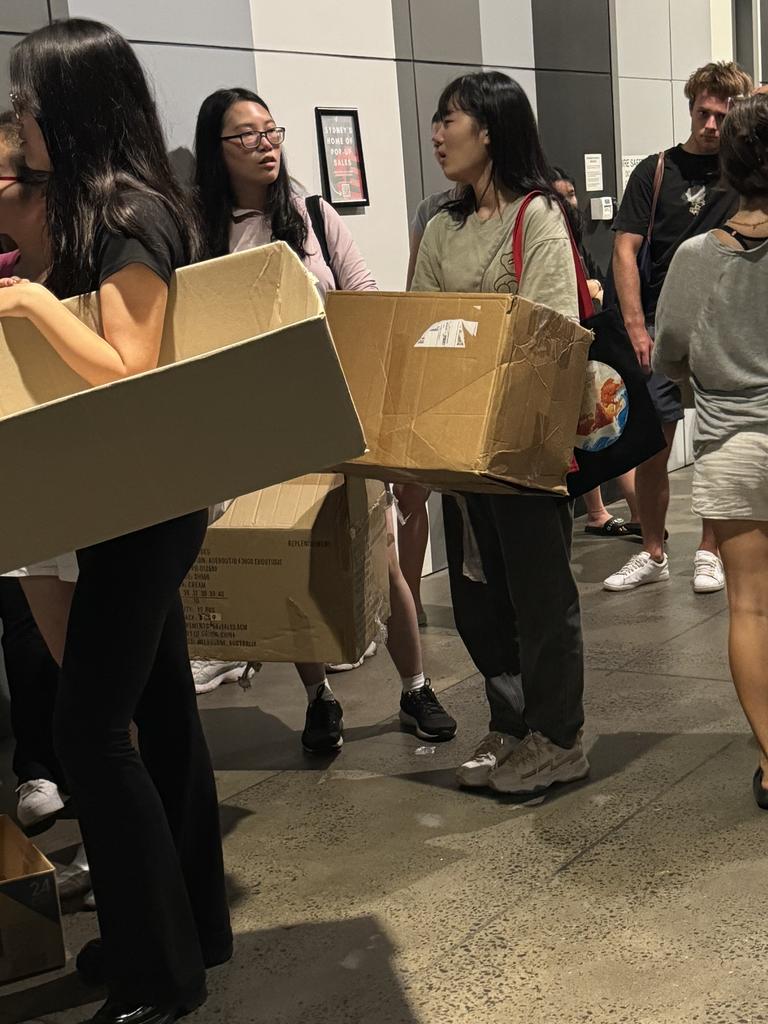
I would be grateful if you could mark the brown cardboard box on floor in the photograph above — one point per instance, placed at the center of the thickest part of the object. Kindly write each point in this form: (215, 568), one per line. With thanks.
(297, 572)
(246, 362)
(31, 939)
(465, 392)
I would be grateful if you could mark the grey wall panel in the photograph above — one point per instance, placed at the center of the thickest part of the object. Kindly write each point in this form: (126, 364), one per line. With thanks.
(410, 117)
(401, 24)
(567, 135)
(182, 77)
(440, 36)
(7, 42)
(173, 21)
(571, 36)
(23, 15)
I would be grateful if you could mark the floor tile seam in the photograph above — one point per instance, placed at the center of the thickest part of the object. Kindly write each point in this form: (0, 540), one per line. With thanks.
(659, 795)
(477, 929)
(251, 785)
(670, 675)
(683, 632)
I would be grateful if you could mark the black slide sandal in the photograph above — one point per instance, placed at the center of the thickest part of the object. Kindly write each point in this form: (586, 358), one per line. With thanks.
(612, 527)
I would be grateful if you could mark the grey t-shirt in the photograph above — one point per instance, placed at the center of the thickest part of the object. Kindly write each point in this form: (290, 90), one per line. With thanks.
(428, 207)
(711, 326)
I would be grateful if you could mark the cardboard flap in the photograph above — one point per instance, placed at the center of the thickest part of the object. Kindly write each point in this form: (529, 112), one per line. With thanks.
(210, 305)
(288, 506)
(19, 857)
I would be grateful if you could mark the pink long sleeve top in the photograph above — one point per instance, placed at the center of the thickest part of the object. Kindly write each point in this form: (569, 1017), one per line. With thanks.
(252, 228)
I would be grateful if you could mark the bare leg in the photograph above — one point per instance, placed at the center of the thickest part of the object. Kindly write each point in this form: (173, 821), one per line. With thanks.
(708, 536)
(652, 482)
(49, 600)
(413, 536)
(403, 640)
(626, 484)
(311, 673)
(597, 513)
(744, 548)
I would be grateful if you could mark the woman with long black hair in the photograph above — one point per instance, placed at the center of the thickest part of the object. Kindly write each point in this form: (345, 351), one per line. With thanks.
(522, 629)
(247, 199)
(120, 224)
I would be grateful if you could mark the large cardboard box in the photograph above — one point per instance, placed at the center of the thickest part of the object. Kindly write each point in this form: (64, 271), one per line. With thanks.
(472, 392)
(246, 362)
(297, 572)
(31, 938)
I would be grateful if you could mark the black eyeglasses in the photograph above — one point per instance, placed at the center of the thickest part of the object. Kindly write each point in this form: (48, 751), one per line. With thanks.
(252, 139)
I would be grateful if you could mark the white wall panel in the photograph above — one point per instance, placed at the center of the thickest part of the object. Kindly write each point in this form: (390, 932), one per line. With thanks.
(325, 26)
(691, 33)
(506, 31)
(23, 15)
(294, 85)
(681, 113)
(183, 76)
(721, 24)
(646, 116)
(175, 21)
(643, 34)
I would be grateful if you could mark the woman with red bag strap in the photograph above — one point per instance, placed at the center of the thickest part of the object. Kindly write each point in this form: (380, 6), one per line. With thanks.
(522, 625)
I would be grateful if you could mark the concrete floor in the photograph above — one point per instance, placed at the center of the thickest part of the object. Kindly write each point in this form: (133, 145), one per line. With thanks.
(368, 889)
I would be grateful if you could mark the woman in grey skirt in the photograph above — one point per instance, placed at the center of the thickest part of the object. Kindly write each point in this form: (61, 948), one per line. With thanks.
(711, 330)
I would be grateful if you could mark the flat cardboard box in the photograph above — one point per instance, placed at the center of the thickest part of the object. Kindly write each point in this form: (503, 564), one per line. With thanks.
(246, 362)
(461, 392)
(31, 938)
(297, 572)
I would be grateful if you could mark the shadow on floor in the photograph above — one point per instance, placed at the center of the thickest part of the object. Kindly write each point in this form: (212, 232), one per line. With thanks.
(320, 972)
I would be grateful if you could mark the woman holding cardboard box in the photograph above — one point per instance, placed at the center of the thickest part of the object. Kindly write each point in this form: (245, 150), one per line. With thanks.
(522, 629)
(119, 224)
(248, 199)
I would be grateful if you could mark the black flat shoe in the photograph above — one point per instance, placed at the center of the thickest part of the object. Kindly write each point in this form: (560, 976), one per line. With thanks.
(761, 793)
(90, 961)
(114, 1011)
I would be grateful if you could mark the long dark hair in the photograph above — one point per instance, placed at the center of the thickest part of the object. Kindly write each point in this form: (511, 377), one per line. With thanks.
(214, 188)
(498, 104)
(85, 87)
(744, 147)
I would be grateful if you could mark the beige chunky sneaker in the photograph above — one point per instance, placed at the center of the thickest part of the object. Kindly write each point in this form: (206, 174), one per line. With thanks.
(537, 763)
(492, 751)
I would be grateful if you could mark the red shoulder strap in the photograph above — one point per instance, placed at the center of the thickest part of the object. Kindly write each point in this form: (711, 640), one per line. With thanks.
(585, 299)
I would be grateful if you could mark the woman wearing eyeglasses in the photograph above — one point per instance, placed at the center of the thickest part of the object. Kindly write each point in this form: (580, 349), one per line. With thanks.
(120, 224)
(247, 200)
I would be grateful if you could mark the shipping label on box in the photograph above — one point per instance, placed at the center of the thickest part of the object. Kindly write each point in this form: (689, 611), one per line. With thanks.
(297, 572)
(497, 409)
(31, 939)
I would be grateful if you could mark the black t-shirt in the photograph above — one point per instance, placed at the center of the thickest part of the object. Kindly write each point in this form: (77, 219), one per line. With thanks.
(160, 247)
(691, 201)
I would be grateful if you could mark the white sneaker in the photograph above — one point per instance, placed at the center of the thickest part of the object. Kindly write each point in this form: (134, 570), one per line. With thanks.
(537, 763)
(38, 799)
(210, 674)
(638, 571)
(493, 750)
(708, 573)
(367, 653)
(74, 879)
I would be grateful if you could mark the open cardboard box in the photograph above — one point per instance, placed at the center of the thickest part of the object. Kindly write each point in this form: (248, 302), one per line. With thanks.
(31, 939)
(246, 361)
(297, 572)
(462, 391)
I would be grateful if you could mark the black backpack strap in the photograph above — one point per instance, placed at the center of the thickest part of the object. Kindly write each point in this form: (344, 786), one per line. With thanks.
(318, 226)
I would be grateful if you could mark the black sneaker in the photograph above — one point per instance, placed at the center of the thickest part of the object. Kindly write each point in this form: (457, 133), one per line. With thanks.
(421, 711)
(324, 727)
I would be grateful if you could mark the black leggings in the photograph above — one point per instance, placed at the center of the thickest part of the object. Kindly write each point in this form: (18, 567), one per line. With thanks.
(150, 821)
(33, 678)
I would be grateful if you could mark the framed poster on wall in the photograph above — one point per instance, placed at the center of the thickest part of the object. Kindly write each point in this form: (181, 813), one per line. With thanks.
(341, 157)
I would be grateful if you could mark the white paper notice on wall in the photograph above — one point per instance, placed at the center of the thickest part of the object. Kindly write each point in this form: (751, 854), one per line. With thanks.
(593, 171)
(447, 334)
(628, 164)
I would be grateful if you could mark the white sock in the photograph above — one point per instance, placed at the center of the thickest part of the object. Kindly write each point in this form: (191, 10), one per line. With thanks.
(322, 690)
(411, 683)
